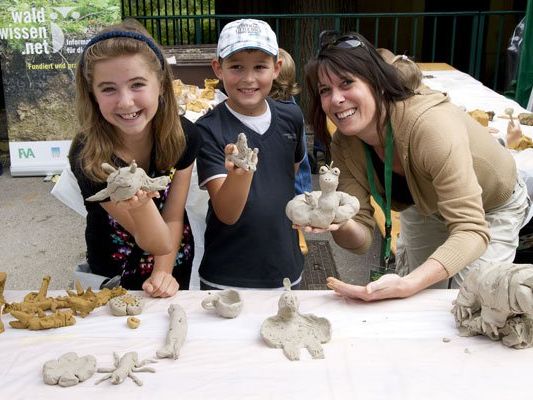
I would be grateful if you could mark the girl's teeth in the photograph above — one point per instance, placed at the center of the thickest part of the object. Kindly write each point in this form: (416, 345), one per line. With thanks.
(130, 116)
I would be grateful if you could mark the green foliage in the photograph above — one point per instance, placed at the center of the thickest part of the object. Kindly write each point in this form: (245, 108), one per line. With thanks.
(86, 15)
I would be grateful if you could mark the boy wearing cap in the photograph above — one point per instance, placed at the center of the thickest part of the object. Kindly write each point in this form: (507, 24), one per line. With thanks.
(249, 241)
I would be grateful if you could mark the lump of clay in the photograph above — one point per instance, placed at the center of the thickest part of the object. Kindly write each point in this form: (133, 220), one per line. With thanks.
(243, 156)
(177, 331)
(133, 322)
(497, 301)
(124, 367)
(1, 323)
(226, 303)
(291, 330)
(526, 118)
(480, 116)
(322, 208)
(123, 183)
(69, 370)
(127, 304)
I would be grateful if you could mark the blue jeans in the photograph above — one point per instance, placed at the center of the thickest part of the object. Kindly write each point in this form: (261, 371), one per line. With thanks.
(302, 181)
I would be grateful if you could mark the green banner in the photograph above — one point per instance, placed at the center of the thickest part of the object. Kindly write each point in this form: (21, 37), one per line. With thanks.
(524, 82)
(40, 42)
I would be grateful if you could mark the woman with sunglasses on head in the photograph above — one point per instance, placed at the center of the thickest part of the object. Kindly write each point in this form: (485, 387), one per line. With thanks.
(461, 200)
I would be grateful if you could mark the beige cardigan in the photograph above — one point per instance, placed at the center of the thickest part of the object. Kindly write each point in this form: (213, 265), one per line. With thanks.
(453, 168)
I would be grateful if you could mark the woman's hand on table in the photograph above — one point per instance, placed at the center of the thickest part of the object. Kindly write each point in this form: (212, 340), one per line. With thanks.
(388, 286)
(161, 284)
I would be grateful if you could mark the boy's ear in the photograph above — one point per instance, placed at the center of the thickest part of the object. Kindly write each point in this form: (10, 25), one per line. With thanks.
(277, 67)
(217, 67)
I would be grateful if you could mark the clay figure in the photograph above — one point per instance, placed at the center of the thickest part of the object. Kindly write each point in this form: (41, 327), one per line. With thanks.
(227, 303)
(125, 366)
(322, 208)
(497, 301)
(243, 156)
(177, 332)
(291, 330)
(69, 370)
(3, 277)
(127, 304)
(123, 183)
(41, 321)
(1, 323)
(133, 322)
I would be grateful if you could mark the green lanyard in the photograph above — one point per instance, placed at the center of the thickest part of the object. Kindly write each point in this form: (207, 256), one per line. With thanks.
(385, 206)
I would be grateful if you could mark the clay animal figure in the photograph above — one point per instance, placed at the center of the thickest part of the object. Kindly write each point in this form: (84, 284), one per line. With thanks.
(127, 304)
(290, 330)
(125, 366)
(226, 303)
(322, 208)
(69, 369)
(497, 301)
(177, 331)
(123, 183)
(243, 156)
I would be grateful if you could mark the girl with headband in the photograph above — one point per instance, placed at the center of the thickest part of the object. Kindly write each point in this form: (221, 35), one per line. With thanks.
(127, 112)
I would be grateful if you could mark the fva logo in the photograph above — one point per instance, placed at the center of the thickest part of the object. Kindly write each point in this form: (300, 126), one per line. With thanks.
(26, 153)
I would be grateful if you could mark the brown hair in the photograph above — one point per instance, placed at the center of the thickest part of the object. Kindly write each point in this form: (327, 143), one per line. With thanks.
(364, 62)
(285, 86)
(96, 134)
(409, 71)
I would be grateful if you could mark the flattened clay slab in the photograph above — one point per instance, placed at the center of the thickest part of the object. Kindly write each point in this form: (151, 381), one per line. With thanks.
(69, 369)
(290, 330)
(496, 300)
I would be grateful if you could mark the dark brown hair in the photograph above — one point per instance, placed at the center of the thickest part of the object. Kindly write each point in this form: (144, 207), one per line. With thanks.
(365, 63)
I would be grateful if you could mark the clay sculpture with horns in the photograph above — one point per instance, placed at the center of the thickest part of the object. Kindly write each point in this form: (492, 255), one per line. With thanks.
(123, 183)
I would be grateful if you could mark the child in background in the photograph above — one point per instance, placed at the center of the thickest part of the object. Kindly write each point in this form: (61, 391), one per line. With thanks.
(284, 88)
(127, 111)
(249, 241)
(409, 71)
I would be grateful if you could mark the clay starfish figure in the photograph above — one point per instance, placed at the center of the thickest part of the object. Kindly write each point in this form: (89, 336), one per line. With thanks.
(123, 183)
(124, 367)
(291, 330)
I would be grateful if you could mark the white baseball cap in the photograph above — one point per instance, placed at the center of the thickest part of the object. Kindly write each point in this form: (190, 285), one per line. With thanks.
(244, 34)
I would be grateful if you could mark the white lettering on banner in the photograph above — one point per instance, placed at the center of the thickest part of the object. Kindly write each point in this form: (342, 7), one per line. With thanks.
(28, 17)
(41, 43)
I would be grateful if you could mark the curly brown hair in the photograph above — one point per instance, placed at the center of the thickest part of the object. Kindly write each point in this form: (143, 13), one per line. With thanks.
(284, 87)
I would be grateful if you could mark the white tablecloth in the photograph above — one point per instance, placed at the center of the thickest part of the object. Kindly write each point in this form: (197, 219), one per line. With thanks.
(382, 350)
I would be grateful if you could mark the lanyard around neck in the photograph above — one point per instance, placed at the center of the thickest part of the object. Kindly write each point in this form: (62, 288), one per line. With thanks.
(385, 205)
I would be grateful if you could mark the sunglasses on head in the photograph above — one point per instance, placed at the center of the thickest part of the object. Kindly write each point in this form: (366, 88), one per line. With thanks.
(329, 39)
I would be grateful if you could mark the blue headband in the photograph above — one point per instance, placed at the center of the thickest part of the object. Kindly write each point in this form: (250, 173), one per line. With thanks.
(126, 34)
